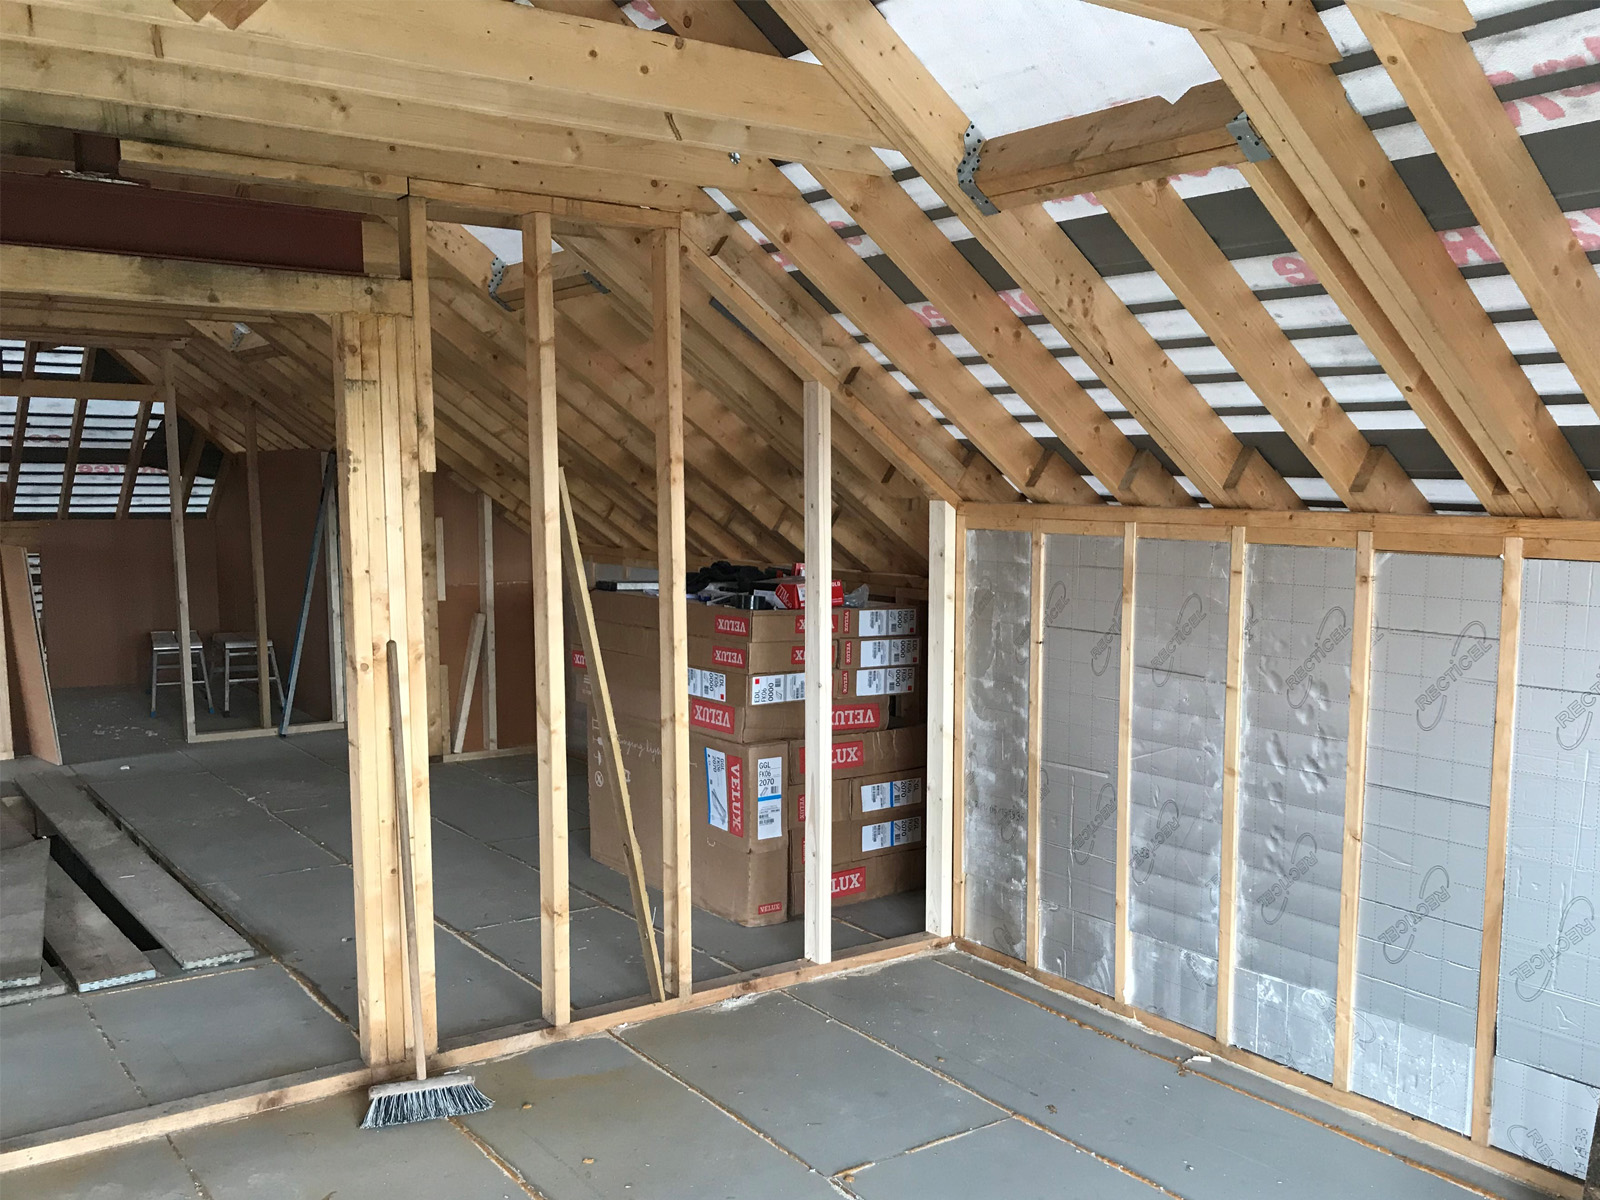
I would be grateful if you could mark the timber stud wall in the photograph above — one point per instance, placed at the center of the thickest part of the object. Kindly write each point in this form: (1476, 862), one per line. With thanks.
(1509, 539)
(380, 532)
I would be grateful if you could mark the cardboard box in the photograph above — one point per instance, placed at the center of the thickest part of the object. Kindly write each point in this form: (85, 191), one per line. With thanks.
(871, 753)
(762, 658)
(743, 879)
(863, 796)
(860, 839)
(856, 652)
(737, 790)
(747, 885)
(731, 625)
(882, 875)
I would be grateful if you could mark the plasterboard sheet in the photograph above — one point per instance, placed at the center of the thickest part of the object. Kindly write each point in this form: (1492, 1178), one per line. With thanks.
(1420, 922)
(1547, 1043)
(995, 738)
(1081, 685)
(1296, 722)
(1179, 687)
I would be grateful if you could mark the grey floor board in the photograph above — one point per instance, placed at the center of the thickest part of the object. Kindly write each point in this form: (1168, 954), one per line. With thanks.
(292, 912)
(1007, 1159)
(90, 948)
(170, 761)
(22, 896)
(508, 768)
(147, 1171)
(316, 1152)
(888, 916)
(185, 927)
(328, 825)
(606, 961)
(749, 948)
(480, 807)
(475, 885)
(57, 1068)
(832, 1097)
(476, 994)
(603, 1123)
(216, 848)
(330, 746)
(186, 1036)
(1180, 1130)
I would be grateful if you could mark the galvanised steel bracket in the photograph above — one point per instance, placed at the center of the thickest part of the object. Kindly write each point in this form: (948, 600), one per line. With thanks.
(1255, 150)
(967, 171)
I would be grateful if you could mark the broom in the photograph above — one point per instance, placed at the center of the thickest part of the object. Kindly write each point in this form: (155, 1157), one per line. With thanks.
(419, 1099)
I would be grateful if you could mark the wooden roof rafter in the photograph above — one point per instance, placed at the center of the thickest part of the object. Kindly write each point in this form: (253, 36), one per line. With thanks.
(874, 66)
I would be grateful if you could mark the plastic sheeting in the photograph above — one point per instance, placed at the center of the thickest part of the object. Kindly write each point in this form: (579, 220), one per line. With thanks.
(1081, 681)
(1547, 1044)
(1179, 689)
(995, 738)
(1296, 723)
(1420, 923)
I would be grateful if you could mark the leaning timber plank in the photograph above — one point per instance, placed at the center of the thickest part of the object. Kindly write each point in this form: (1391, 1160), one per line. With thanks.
(22, 914)
(91, 950)
(50, 984)
(189, 931)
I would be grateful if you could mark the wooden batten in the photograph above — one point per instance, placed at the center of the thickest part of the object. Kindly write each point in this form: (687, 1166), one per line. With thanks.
(1122, 969)
(818, 830)
(943, 552)
(1036, 596)
(549, 642)
(667, 327)
(178, 498)
(380, 534)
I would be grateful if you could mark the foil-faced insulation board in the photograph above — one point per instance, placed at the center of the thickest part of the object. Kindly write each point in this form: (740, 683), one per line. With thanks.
(1081, 680)
(1179, 688)
(1296, 723)
(1547, 1031)
(995, 738)
(1420, 918)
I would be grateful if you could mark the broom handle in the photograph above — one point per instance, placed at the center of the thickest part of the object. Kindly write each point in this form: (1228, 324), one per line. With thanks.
(408, 892)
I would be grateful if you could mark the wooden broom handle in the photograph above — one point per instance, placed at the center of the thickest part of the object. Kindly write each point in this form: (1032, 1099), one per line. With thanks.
(408, 891)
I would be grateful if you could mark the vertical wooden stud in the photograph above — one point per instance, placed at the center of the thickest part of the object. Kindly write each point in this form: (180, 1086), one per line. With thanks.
(1031, 951)
(943, 550)
(667, 327)
(550, 695)
(7, 743)
(1233, 712)
(1494, 891)
(819, 673)
(258, 563)
(437, 701)
(958, 707)
(180, 553)
(1123, 968)
(491, 695)
(1355, 797)
(381, 566)
(414, 266)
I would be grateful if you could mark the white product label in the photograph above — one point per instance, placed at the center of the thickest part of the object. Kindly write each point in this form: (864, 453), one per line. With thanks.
(892, 793)
(886, 681)
(887, 622)
(708, 685)
(717, 788)
(777, 689)
(891, 833)
(769, 817)
(891, 652)
(769, 777)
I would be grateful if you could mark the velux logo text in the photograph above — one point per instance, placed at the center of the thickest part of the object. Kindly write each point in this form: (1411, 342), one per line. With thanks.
(1471, 644)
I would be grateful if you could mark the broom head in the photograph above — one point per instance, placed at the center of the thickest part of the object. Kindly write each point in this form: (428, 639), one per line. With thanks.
(411, 1100)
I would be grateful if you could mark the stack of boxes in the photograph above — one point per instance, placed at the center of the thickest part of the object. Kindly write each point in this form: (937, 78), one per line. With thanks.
(746, 725)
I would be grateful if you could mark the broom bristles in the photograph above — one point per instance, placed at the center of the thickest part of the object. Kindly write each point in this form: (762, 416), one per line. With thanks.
(410, 1101)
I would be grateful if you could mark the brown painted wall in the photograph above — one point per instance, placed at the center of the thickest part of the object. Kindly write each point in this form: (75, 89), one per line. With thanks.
(291, 488)
(107, 584)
